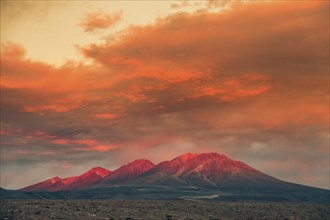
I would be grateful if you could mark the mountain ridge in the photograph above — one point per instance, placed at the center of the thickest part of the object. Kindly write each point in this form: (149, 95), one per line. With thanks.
(88, 178)
(128, 172)
(208, 170)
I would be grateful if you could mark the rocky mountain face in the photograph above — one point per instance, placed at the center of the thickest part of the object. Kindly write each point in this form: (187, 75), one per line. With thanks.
(70, 183)
(209, 170)
(128, 172)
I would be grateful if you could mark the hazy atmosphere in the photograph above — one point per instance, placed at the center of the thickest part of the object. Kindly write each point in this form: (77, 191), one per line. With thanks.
(102, 83)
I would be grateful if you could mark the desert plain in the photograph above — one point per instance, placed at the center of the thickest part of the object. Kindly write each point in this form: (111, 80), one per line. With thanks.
(160, 209)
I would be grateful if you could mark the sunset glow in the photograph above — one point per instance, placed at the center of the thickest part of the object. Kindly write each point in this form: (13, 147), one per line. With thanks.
(101, 83)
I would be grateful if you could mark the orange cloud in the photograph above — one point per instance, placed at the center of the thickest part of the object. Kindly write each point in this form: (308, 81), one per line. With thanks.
(187, 82)
(88, 144)
(104, 116)
(11, 50)
(103, 148)
(56, 108)
(100, 20)
(232, 89)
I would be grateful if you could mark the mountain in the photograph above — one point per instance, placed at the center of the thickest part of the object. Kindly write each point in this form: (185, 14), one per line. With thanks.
(91, 177)
(71, 183)
(53, 184)
(163, 173)
(210, 170)
(190, 176)
(215, 170)
(206, 170)
(127, 172)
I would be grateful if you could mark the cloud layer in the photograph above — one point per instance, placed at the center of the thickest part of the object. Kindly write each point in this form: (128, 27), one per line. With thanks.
(100, 20)
(250, 82)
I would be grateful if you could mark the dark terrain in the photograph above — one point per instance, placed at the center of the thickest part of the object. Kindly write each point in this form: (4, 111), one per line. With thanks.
(147, 209)
(305, 194)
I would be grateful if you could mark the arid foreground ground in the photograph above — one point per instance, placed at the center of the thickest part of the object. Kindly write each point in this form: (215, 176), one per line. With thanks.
(143, 209)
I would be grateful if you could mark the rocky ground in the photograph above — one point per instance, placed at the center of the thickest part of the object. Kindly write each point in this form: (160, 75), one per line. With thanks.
(142, 209)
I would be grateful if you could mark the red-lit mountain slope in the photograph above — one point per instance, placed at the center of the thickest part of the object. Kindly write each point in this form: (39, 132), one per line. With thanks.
(201, 170)
(127, 172)
(76, 182)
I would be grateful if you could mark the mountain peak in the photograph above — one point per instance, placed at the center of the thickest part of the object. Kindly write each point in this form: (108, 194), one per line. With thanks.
(54, 180)
(140, 161)
(51, 183)
(129, 171)
(138, 165)
(100, 171)
(184, 157)
(213, 154)
(98, 168)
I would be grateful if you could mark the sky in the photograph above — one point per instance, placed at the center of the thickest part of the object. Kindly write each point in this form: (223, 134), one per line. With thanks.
(102, 83)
